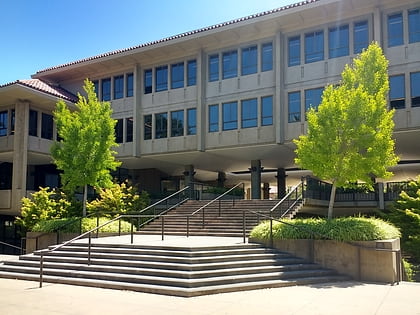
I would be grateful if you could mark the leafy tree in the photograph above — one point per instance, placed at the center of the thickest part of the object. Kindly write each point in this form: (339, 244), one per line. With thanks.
(349, 138)
(84, 153)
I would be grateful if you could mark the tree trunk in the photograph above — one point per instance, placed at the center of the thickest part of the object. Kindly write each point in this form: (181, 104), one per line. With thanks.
(84, 200)
(332, 198)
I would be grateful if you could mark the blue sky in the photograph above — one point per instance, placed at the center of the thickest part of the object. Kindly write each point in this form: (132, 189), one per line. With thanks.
(37, 34)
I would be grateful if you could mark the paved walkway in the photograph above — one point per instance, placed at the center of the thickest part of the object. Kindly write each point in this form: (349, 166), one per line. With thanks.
(25, 297)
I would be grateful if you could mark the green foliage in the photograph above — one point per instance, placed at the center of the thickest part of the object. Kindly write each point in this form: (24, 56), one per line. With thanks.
(340, 229)
(87, 135)
(408, 270)
(349, 137)
(118, 199)
(44, 204)
(90, 223)
(72, 225)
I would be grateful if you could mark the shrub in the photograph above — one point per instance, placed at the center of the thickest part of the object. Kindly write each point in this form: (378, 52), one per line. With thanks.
(72, 225)
(340, 229)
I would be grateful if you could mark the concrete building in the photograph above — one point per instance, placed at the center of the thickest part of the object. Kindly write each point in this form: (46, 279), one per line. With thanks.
(221, 104)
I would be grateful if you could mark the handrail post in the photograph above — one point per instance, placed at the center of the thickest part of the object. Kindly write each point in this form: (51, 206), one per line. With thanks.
(271, 232)
(220, 209)
(244, 225)
(119, 227)
(188, 226)
(89, 247)
(41, 269)
(131, 231)
(97, 224)
(203, 218)
(163, 227)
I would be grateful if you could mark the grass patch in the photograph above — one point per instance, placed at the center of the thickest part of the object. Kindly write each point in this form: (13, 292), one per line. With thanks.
(339, 229)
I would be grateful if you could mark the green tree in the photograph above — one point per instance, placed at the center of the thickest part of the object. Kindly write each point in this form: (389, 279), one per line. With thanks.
(349, 137)
(84, 153)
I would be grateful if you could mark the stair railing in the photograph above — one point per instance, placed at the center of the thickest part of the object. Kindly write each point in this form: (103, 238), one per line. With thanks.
(13, 246)
(288, 202)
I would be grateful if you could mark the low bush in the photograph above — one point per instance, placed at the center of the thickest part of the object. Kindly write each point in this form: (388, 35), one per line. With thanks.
(339, 229)
(72, 225)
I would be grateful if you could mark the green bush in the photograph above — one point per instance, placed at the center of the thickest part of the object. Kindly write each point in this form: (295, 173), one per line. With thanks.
(340, 229)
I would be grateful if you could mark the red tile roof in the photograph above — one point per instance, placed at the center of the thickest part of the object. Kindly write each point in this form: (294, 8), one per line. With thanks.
(42, 86)
(115, 52)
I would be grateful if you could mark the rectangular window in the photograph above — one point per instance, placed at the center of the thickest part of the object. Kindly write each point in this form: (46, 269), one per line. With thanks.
(130, 85)
(314, 46)
(230, 64)
(148, 79)
(191, 121)
(294, 106)
(46, 126)
(161, 78)
(4, 121)
(338, 41)
(267, 57)
(129, 129)
(33, 123)
(249, 62)
(119, 131)
(294, 51)
(118, 87)
(96, 86)
(147, 127)
(106, 89)
(360, 36)
(12, 122)
(415, 89)
(267, 111)
(230, 116)
(313, 98)
(161, 125)
(177, 123)
(414, 26)
(192, 72)
(395, 30)
(213, 118)
(177, 75)
(249, 113)
(214, 67)
(397, 91)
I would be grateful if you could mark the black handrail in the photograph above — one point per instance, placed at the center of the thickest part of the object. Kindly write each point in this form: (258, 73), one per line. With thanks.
(298, 197)
(13, 246)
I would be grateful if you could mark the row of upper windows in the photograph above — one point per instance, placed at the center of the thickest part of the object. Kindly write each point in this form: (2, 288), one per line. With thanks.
(120, 85)
(312, 98)
(396, 27)
(338, 43)
(178, 77)
(124, 130)
(176, 124)
(248, 115)
(397, 90)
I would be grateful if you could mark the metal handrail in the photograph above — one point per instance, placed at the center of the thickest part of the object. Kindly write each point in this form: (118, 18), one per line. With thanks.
(13, 246)
(293, 190)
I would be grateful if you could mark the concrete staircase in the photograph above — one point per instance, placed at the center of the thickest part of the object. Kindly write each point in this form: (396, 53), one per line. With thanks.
(171, 270)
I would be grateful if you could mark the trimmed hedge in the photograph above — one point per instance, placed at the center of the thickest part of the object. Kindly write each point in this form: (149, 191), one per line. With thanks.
(339, 229)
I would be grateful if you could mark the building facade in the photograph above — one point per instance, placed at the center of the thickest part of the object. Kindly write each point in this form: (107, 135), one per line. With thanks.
(220, 104)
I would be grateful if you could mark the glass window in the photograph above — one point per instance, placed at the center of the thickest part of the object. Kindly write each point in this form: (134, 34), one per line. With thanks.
(249, 62)
(46, 126)
(214, 67)
(161, 78)
(119, 131)
(294, 51)
(313, 98)
(177, 75)
(12, 122)
(129, 129)
(360, 36)
(415, 89)
(414, 26)
(314, 46)
(267, 57)
(395, 30)
(161, 125)
(249, 113)
(177, 123)
(230, 64)
(230, 116)
(33, 123)
(338, 41)
(106, 89)
(148, 75)
(130, 85)
(147, 127)
(191, 121)
(192, 72)
(267, 111)
(397, 91)
(96, 86)
(4, 121)
(118, 87)
(213, 118)
(294, 106)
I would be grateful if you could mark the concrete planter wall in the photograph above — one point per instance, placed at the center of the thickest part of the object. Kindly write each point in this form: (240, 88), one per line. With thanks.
(361, 262)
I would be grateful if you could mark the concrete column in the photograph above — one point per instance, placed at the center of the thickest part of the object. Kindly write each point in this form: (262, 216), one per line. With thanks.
(255, 179)
(189, 178)
(281, 183)
(221, 178)
(266, 191)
